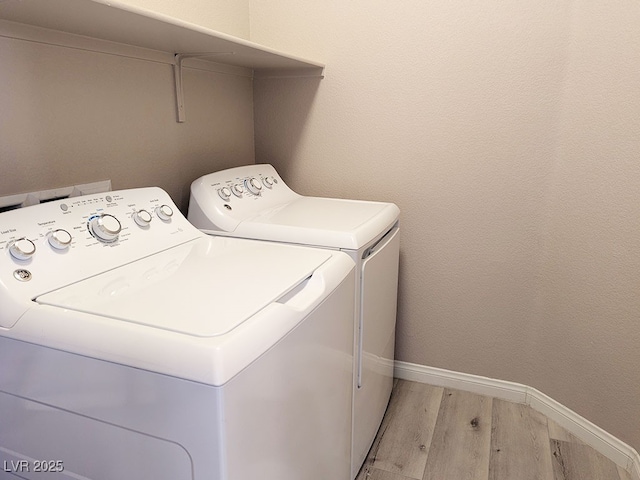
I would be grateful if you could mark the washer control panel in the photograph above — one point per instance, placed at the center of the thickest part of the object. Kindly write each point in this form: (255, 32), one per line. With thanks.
(52, 244)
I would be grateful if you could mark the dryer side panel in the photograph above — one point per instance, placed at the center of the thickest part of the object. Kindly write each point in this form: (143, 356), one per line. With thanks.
(376, 341)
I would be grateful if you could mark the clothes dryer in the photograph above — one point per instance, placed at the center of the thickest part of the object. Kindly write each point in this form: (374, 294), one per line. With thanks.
(133, 346)
(254, 202)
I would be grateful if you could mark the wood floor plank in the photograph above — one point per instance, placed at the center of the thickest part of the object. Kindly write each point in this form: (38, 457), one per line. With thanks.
(519, 443)
(572, 461)
(403, 440)
(461, 441)
(624, 474)
(370, 473)
(452, 435)
(556, 432)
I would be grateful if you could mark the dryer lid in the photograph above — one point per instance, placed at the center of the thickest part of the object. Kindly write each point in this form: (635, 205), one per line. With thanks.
(204, 288)
(327, 222)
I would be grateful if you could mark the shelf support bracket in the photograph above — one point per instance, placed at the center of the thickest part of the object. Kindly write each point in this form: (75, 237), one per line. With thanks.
(177, 76)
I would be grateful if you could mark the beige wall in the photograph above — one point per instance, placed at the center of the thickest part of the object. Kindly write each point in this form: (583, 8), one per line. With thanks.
(228, 16)
(591, 266)
(509, 135)
(507, 132)
(70, 116)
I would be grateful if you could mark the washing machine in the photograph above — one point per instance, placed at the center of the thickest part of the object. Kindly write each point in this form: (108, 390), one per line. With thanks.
(254, 202)
(133, 346)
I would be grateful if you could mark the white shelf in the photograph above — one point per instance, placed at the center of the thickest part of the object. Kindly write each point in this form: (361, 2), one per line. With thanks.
(115, 22)
(111, 21)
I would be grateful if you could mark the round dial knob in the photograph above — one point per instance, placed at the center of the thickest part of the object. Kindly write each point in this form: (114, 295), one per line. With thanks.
(268, 181)
(225, 193)
(237, 189)
(253, 185)
(22, 249)
(105, 227)
(60, 239)
(164, 212)
(142, 218)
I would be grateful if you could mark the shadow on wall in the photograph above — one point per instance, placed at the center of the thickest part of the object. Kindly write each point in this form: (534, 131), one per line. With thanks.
(277, 139)
(403, 299)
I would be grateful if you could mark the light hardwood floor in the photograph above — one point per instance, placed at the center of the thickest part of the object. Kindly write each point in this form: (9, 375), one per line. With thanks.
(435, 433)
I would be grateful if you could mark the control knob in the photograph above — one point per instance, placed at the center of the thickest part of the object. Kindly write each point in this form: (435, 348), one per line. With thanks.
(224, 193)
(142, 218)
(253, 185)
(105, 227)
(164, 212)
(268, 181)
(237, 189)
(22, 249)
(60, 239)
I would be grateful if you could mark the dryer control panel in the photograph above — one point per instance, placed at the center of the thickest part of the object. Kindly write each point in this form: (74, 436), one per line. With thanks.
(247, 183)
(49, 245)
(231, 196)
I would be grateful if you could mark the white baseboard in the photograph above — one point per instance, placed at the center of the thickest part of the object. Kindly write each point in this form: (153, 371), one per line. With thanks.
(617, 451)
(635, 467)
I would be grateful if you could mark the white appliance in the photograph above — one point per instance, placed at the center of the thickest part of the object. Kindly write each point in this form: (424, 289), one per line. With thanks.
(133, 346)
(253, 202)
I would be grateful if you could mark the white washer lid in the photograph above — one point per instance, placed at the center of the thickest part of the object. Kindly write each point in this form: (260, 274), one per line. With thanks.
(204, 288)
(327, 222)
